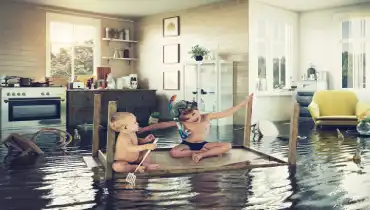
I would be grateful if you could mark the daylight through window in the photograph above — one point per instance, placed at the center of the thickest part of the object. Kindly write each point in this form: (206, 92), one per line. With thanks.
(72, 46)
(355, 52)
(274, 53)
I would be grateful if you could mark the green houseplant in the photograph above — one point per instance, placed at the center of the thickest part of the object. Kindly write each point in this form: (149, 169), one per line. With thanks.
(198, 52)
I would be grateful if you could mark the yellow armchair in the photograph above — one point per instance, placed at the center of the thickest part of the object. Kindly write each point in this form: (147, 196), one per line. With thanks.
(337, 107)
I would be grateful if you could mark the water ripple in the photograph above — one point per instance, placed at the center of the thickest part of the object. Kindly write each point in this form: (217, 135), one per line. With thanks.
(325, 178)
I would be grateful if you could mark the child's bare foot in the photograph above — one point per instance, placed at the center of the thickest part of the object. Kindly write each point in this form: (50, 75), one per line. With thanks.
(197, 157)
(152, 167)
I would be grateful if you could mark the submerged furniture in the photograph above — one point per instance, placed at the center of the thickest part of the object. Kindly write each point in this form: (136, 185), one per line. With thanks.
(240, 157)
(18, 143)
(282, 100)
(20, 147)
(336, 107)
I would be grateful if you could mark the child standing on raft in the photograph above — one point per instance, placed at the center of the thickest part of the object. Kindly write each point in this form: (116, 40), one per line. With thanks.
(196, 127)
(129, 152)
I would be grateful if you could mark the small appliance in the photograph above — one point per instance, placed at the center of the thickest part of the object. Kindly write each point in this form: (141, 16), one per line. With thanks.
(129, 82)
(78, 85)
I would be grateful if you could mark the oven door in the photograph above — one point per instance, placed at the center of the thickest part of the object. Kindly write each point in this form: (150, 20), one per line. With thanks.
(32, 112)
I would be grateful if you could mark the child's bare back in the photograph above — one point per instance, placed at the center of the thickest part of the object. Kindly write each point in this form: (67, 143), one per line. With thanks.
(129, 153)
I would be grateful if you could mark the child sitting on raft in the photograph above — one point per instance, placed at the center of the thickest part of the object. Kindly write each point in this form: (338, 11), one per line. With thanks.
(129, 152)
(197, 126)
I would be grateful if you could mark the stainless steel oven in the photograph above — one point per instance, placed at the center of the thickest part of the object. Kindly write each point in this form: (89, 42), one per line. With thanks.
(33, 107)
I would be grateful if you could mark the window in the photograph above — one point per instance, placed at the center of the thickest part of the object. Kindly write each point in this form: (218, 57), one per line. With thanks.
(355, 40)
(73, 46)
(274, 43)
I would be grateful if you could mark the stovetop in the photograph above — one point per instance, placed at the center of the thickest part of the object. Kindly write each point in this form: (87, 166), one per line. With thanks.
(26, 92)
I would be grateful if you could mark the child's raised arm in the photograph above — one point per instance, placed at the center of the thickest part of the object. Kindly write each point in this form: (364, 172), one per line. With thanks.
(161, 125)
(230, 111)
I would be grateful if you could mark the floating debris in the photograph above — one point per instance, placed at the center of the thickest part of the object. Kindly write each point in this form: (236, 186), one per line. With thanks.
(340, 135)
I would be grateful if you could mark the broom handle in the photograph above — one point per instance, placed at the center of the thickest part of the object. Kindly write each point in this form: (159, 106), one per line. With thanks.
(147, 153)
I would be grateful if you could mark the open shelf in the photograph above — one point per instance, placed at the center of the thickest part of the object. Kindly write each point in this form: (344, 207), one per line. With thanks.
(119, 40)
(122, 59)
(125, 59)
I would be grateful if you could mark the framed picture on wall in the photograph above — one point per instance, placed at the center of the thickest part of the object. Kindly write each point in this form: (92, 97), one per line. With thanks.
(171, 26)
(171, 53)
(171, 80)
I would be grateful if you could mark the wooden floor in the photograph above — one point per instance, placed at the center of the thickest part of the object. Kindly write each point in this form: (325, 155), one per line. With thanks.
(237, 158)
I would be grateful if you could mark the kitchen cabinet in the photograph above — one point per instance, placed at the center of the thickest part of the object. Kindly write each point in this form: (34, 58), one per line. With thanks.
(210, 83)
(80, 105)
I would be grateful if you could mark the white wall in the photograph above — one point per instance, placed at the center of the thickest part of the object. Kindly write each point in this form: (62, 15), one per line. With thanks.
(259, 11)
(320, 34)
(221, 27)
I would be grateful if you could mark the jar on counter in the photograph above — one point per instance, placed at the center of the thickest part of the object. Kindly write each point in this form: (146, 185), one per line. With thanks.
(127, 34)
(122, 34)
(108, 33)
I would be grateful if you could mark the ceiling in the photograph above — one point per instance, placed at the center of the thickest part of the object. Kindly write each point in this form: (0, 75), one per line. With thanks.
(137, 8)
(131, 8)
(309, 5)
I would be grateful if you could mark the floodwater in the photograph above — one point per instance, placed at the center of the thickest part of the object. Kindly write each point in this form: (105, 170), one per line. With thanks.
(325, 178)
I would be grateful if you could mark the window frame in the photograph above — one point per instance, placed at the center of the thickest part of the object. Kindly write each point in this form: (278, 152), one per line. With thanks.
(356, 42)
(75, 20)
(269, 41)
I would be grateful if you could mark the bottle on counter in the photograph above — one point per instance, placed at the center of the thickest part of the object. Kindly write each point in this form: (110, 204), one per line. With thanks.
(88, 85)
(126, 53)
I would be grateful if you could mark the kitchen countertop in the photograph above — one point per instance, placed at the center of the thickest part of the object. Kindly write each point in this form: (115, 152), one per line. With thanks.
(276, 93)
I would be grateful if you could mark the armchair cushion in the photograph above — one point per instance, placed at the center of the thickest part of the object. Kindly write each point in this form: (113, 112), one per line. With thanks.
(336, 102)
(338, 117)
(362, 110)
(314, 110)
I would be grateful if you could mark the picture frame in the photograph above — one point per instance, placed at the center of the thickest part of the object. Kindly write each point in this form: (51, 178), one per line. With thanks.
(171, 80)
(171, 53)
(171, 26)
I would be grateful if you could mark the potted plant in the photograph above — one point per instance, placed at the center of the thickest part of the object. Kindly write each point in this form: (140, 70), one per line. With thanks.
(198, 52)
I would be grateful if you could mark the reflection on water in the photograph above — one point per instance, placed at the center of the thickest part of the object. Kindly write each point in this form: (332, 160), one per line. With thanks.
(325, 178)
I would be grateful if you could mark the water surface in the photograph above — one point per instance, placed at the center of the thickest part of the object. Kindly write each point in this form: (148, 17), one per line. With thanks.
(325, 178)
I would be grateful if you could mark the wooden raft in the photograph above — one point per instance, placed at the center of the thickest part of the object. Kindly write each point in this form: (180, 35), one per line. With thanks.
(240, 157)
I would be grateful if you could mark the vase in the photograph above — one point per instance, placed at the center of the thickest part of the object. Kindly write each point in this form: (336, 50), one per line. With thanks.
(198, 58)
(363, 128)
